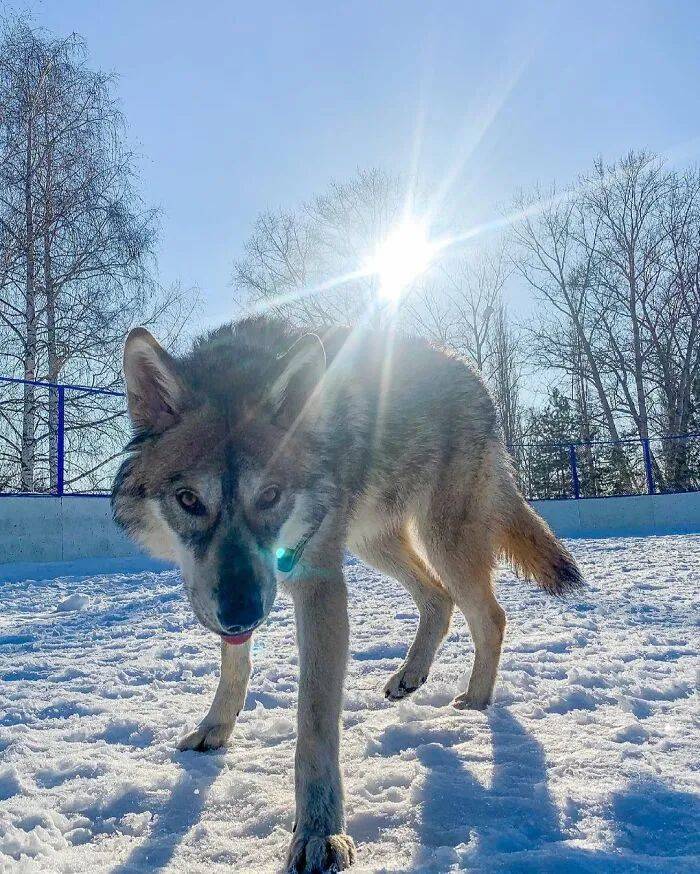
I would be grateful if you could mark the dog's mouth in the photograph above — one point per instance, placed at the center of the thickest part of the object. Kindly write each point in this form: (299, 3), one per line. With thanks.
(237, 635)
(237, 639)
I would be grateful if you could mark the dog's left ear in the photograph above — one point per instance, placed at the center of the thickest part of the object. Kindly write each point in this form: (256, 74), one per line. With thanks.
(302, 369)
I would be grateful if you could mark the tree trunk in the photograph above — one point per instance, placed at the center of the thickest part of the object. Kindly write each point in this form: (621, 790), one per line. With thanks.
(54, 365)
(28, 450)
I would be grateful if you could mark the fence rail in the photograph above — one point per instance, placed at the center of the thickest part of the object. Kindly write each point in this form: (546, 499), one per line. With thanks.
(62, 439)
(607, 468)
(59, 438)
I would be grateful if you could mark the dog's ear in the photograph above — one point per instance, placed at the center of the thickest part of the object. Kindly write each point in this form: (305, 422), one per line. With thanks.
(154, 392)
(302, 369)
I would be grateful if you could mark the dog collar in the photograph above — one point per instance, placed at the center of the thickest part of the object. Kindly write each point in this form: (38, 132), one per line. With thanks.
(287, 558)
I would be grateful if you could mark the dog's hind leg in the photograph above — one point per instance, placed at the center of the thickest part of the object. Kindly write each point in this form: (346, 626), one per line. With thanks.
(393, 554)
(461, 551)
(216, 727)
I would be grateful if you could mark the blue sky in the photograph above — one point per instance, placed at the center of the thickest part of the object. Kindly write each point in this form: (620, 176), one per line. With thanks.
(241, 106)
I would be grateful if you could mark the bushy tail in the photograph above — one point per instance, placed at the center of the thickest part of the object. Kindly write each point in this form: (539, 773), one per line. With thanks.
(528, 542)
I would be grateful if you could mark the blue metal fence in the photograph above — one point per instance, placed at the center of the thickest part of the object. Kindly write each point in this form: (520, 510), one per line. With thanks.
(92, 441)
(606, 468)
(98, 448)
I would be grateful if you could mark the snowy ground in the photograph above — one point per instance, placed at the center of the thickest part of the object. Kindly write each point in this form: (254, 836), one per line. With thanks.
(588, 760)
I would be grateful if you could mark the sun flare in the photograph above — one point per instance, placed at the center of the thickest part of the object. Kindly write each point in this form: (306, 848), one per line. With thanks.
(401, 258)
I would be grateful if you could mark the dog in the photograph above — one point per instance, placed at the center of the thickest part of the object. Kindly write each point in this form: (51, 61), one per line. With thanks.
(264, 453)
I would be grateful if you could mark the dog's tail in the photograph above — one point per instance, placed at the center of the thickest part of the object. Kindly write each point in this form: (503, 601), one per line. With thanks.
(529, 543)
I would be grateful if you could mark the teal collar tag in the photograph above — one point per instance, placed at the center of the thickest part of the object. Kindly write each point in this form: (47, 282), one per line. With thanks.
(287, 559)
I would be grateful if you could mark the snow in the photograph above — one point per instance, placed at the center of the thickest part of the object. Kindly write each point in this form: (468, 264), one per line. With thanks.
(587, 761)
(73, 602)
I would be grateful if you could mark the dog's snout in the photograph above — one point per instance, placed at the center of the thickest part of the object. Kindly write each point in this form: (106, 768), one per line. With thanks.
(241, 592)
(240, 607)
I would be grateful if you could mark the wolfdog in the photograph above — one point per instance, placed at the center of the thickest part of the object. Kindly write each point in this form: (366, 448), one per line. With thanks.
(263, 453)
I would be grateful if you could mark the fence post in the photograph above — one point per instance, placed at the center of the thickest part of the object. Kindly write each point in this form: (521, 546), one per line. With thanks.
(60, 440)
(574, 471)
(648, 469)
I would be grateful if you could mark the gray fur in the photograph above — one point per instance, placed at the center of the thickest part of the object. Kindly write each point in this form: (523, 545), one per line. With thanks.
(365, 440)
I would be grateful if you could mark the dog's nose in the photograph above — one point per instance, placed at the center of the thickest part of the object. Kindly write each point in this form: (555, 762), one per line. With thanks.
(239, 608)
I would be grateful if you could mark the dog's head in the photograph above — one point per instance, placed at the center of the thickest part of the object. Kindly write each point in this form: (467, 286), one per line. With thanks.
(219, 475)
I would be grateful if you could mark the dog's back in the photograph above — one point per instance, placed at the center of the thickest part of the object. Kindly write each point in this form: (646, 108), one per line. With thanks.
(406, 427)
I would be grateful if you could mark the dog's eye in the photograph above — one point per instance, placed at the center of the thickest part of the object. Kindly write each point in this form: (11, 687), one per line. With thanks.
(268, 497)
(190, 503)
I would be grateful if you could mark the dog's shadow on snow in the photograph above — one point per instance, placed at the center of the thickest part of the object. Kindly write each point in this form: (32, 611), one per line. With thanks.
(180, 812)
(515, 813)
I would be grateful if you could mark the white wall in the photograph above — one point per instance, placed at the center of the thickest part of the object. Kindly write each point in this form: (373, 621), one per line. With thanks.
(636, 516)
(45, 529)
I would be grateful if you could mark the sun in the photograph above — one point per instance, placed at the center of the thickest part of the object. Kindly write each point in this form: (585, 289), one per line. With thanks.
(401, 258)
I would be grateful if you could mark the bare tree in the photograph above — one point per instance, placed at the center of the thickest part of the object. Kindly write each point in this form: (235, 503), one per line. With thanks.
(555, 252)
(672, 316)
(461, 308)
(615, 260)
(307, 264)
(505, 375)
(77, 242)
(625, 202)
(456, 305)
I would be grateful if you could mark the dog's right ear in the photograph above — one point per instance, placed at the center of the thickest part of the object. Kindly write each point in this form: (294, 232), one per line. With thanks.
(301, 370)
(154, 392)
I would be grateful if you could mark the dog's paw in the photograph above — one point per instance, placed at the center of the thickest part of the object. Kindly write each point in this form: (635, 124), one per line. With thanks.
(206, 737)
(406, 680)
(320, 853)
(465, 701)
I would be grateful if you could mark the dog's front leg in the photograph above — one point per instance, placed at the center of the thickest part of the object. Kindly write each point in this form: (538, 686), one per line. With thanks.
(216, 727)
(319, 842)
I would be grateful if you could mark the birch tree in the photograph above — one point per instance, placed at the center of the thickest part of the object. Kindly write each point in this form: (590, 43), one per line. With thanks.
(77, 260)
